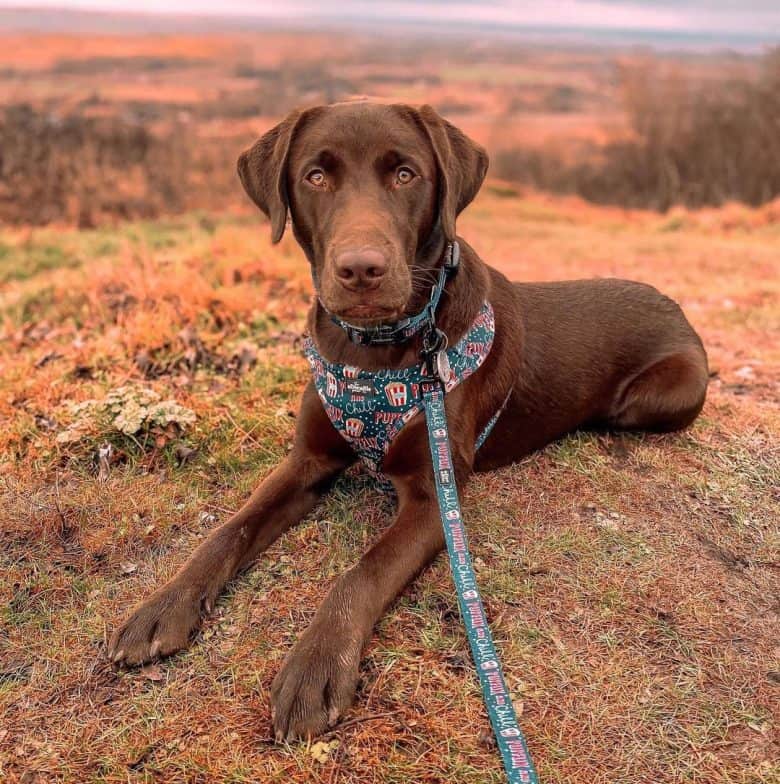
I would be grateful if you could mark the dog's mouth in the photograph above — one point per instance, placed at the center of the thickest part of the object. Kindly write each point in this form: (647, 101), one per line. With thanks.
(368, 315)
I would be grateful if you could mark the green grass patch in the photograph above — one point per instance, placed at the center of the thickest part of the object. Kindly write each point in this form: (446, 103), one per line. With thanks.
(26, 260)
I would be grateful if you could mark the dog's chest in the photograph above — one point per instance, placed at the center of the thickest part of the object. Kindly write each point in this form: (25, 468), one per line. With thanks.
(369, 408)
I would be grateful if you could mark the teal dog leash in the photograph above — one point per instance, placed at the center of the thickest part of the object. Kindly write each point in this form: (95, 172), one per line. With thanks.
(509, 737)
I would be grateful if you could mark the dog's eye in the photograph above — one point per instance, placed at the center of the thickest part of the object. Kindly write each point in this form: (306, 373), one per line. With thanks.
(316, 178)
(404, 175)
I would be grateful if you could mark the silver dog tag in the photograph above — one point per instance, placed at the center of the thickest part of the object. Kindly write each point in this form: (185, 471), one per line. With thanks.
(443, 369)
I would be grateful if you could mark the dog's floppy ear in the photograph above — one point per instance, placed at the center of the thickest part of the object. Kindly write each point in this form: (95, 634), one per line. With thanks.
(462, 167)
(263, 172)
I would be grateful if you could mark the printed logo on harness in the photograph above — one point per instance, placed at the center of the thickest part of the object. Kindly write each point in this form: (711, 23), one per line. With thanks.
(387, 417)
(510, 732)
(453, 514)
(490, 664)
(354, 427)
(359, 387)
(350, 371)
(440, 432)
(470, 594)
(396, 393)
(334, 412)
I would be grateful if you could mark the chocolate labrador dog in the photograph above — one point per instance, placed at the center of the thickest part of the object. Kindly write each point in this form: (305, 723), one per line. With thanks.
(373, 192)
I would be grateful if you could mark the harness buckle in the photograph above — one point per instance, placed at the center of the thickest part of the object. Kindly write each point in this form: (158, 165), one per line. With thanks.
(434, 348)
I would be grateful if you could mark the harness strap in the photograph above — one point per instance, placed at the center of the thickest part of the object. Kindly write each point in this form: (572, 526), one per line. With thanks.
(511, 742)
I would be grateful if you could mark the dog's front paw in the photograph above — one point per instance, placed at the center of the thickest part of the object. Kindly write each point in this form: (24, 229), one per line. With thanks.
(159, 626)
(316, 684)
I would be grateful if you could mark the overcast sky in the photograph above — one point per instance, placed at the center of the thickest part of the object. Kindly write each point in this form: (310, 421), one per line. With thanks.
(716, 16)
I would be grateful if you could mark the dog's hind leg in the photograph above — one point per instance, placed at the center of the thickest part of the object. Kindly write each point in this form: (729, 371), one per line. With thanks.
(666, 395)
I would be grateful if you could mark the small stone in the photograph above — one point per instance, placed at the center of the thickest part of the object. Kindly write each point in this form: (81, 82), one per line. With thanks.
(153, 672)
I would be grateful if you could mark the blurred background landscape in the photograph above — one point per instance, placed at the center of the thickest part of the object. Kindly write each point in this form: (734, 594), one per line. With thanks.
(150, 372)
(119, 116)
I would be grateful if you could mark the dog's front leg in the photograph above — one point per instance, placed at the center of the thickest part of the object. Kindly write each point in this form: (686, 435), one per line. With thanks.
(164, 621)
(317, 681)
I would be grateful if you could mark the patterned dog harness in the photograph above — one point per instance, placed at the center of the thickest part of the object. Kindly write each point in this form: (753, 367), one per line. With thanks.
(370, 408)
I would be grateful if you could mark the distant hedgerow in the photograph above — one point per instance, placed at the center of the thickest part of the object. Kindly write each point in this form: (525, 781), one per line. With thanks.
(691, 141)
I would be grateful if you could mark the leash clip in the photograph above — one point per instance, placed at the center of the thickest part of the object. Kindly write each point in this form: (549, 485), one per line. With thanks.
(434, 354)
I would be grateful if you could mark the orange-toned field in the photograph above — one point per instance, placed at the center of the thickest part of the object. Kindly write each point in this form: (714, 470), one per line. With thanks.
(631, 580)
(481, 86)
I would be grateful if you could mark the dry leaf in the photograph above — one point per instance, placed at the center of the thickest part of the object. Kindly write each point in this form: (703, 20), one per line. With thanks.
(518, 704)
(184, 453)
(127, 567)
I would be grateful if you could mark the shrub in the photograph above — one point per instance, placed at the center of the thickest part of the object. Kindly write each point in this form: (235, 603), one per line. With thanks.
(81, 169)
(129, 417)
(691, 141)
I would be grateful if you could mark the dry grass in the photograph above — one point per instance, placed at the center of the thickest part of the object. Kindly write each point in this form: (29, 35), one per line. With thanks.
(631, 580)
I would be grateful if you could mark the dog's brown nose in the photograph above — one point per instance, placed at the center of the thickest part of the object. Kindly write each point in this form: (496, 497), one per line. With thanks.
(361, 268)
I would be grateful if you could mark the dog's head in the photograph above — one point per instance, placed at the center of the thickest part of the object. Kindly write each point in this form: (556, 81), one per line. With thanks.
(373, 191)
